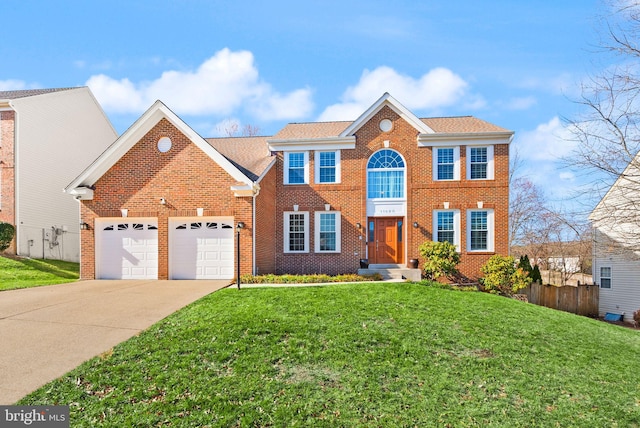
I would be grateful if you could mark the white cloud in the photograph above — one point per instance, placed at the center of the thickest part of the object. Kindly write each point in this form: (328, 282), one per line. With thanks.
(12, 85)
(548, 142)
(542, 151)
(437, 88)
(221, 85)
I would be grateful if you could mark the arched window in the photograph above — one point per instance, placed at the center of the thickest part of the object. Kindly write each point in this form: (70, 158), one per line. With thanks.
(385, 175)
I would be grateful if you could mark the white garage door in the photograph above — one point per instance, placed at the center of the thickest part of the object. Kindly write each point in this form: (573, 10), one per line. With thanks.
(201, 248)
(127, 248)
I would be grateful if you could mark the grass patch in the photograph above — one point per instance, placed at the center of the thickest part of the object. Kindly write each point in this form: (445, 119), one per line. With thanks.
(23, 272)
(307, 279)
(396, 354)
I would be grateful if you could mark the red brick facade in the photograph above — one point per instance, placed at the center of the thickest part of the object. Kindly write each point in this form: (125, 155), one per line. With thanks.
(189, 178)
(185, 176)
(7, 171)
(424, 195)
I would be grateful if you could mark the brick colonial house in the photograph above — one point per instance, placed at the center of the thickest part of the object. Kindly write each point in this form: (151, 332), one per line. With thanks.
(163, 202)
(47, 136)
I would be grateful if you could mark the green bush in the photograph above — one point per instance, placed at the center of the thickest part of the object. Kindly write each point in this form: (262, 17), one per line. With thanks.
(440, 259)
(503, 277)
(7, 232)
(525, 264)
(536, 276)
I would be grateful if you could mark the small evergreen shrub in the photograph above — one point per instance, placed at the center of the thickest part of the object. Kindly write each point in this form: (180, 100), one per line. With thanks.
(441, 259)
(501, 276)
(536, 276)
(525, 265)
(7, 232)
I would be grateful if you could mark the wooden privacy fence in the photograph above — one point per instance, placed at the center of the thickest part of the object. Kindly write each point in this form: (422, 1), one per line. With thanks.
(581, 299)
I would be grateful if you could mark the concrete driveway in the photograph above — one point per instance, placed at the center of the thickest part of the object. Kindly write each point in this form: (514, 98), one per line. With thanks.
(47, 331)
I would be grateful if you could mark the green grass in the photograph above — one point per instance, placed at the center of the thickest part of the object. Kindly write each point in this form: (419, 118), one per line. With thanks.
(307, 279)
(23, 273)
(374, 355)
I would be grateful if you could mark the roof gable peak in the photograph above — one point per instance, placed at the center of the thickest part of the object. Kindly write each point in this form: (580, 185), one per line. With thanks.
(136, 132)
(387, 100)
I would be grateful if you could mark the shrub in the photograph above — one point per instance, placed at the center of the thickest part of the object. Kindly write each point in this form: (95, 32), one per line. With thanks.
(503, 277)
(441, 259)
(536, 276)
(7, 232)
(525, 264)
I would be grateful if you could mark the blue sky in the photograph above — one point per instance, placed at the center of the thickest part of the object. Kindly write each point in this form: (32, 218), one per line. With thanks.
(516, 64)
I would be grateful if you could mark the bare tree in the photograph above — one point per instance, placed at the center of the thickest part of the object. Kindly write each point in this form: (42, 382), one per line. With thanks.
(231, 128)
(526, 205)
(608, 132)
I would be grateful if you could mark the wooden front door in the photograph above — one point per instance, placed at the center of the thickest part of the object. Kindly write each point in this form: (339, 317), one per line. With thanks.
(385, 240)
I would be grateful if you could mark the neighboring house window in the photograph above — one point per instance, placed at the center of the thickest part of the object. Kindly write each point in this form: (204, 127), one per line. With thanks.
(385, 175)
(446, 226)
(480, 230)
(327, 232)
(480, 163)
(296, 167)
(446, 163)
(327, 167)
(296, 232)
(605, 277)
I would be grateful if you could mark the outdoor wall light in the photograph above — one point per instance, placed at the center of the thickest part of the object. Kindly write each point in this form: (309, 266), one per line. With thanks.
(415, 224)
(163, 201)
(359, 226)
(240, 225)
(84, 226)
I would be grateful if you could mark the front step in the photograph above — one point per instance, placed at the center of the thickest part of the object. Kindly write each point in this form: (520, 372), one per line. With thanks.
(393, 273)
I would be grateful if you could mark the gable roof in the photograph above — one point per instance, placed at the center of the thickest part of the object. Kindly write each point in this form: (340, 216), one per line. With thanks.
(387, 100)
(132, 135)
(431, 131)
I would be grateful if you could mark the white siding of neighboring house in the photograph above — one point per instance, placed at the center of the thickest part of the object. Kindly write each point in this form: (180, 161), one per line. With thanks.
(624, 295)
(57, 135)
(616, 223)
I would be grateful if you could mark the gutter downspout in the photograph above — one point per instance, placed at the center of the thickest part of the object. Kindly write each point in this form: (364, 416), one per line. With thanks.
(253, 228)
(16, 178)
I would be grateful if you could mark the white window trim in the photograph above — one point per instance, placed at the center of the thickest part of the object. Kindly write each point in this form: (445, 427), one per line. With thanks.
(490, 163)
(607, 277)
(456, 226)
(286, 168)
(316, 166)
(456, 163)
(490, 231)
(286, 221)
(317, 231)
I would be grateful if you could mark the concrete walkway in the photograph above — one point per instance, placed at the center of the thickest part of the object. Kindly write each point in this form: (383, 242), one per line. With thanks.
(47, 331)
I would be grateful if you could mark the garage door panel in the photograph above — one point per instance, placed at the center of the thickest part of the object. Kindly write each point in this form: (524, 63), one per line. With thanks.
(127, 248)
(199, 247)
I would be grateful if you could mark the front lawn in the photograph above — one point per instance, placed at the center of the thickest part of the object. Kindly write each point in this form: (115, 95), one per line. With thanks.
(394, 354)
(23, 272)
